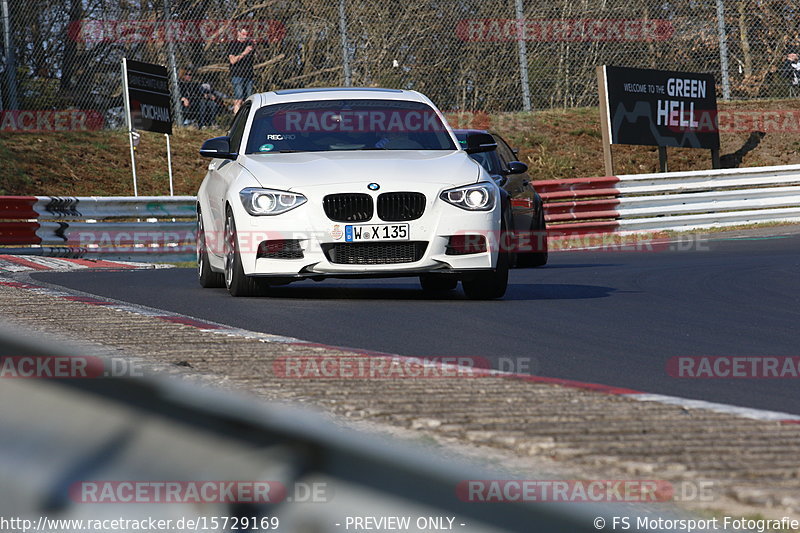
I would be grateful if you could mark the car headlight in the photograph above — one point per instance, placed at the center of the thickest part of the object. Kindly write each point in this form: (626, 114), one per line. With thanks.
(260, 202)
(475, 197)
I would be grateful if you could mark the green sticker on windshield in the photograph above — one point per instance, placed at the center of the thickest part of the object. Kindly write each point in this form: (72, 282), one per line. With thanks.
(266, 147)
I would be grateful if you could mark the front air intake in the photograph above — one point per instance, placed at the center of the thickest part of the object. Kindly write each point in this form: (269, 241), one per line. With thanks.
(375, 253)
(280, 249)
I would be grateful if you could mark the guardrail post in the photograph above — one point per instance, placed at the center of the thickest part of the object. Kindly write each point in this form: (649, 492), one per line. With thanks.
(662, 159)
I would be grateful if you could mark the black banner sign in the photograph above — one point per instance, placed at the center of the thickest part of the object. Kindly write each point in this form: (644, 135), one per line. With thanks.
(662, 108)
(148, 91)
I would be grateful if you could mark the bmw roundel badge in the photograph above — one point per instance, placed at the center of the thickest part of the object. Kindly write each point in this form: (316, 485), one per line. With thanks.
(373, 186)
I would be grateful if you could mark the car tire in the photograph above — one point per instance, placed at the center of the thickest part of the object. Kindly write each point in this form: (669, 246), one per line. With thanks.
(236, 281)
(208, 278)
(437, 283)
(488, 285)
(538, 258)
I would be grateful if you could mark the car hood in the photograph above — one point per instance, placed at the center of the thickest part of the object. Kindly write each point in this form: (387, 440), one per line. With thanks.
(308, 169)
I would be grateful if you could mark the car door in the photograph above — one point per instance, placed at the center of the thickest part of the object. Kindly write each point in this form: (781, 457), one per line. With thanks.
(222, 172)
(518, 187)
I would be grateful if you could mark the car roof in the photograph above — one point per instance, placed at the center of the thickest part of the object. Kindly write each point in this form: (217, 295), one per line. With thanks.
(338, 93)
(331, 89)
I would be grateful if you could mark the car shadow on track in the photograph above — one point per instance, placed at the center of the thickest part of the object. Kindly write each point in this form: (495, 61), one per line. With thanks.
(515, 292)
(556, 291)
(551, 266)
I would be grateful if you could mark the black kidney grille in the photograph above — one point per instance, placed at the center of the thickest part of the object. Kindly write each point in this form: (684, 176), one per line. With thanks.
(348, 207)
(400, 206)
(375, 253)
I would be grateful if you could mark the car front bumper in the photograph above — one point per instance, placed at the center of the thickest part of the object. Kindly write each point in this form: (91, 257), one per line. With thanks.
(315, 234)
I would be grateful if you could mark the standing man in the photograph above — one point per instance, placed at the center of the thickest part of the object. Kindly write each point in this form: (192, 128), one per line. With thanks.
(791, 71)
(240, 59)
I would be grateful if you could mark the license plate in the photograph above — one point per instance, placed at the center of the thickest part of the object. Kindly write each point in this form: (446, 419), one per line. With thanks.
(382, 232)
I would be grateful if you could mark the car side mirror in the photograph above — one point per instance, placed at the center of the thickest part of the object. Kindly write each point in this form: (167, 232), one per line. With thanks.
(500, 180)
(480, 142)
(219, 147)
(517, 167)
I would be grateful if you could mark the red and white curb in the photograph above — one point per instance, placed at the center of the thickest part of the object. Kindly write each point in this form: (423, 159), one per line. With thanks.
(31, 263)
(222, 329)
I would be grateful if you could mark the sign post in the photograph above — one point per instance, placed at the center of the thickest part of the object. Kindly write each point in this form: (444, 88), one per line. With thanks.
(147, 105)
(169, 166)
(605, 123)
(129, 123)
(658, 108)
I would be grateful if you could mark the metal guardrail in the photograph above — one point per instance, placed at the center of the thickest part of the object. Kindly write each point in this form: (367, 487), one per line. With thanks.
(676, 201)
(148, 228)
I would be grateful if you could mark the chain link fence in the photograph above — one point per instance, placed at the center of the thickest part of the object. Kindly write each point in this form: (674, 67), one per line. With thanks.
(466, 55)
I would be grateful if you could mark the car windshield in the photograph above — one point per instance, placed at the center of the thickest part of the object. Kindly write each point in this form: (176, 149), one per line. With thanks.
(335, 125)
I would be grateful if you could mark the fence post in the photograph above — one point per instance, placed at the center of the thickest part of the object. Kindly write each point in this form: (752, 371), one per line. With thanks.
(723, 50)
(523, 59)
(348, 78)
(173, 72)
(9, 60)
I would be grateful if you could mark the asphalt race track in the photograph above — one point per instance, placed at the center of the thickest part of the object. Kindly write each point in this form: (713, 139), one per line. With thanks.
(614, 318)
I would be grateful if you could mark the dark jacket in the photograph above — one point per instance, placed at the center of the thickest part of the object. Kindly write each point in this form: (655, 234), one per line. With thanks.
(244, 67)
(791, 71)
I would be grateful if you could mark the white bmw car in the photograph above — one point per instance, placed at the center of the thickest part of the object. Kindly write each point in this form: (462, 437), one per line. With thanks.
(343, 183)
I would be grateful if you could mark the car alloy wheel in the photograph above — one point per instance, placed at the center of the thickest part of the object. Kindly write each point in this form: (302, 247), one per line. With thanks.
(207, 277)
(236, 281)
(230, 248)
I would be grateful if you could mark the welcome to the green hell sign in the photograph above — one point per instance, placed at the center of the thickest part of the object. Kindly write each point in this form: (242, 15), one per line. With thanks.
(660, 108)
